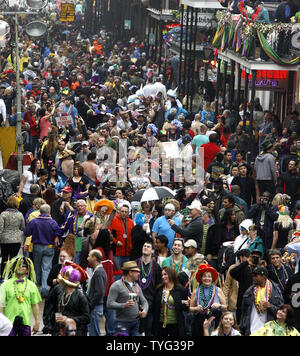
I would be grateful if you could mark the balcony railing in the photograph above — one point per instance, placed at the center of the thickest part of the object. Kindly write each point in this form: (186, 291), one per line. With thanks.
(257, 41)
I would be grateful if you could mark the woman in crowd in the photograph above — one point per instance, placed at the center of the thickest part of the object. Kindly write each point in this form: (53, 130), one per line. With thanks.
(227, 326)
(283, 325)
(55, 180)
(79, 183)
(12, 226)
(170, 301)
(207, 299)
(28, 178)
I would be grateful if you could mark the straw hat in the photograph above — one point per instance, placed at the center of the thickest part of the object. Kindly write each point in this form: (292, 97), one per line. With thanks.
(66, 153)
(130, 266)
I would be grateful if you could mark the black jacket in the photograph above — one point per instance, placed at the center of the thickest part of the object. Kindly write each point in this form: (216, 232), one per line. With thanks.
(276, 301)
(178, 293)
(194, 231)
(248, 192)
(216, 236)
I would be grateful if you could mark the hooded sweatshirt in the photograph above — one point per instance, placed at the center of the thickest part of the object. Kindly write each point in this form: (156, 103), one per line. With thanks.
(240, 241)
(265, 167)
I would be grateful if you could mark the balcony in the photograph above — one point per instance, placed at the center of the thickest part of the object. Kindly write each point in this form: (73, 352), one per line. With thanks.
(252, 41)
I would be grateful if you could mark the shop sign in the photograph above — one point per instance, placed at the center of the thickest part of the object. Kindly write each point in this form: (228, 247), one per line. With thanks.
(206, 19)
(67, 12)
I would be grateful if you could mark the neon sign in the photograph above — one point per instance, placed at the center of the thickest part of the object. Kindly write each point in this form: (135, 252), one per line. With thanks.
(268, 74)
(265, 83)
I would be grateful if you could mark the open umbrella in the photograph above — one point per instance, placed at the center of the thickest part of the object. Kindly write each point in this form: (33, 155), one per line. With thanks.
(153, 193)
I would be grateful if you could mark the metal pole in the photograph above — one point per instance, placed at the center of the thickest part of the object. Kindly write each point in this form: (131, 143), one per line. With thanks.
(185, 49)
(231, 88)
(193, 57)
(224, 84)
(218, 87)
(19, 138)
(238, 94)
(180, 52)
(245, 99)
(189, 60)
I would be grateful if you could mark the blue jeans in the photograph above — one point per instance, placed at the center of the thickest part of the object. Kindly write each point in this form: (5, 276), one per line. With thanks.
(95, 318)
(130, 328)
(110, 316)
(42, 256)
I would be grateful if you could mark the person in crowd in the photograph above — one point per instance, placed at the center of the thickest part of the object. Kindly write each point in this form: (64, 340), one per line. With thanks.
(121, 228)
(264, 214)
(20, 288)
(260, 302)
(227, 326)
(284, 325)
(206, 299)
(177, 261)
(12, 226)
(195, 228)
(95, 292)
(161, 249)
(126, 297)
(72, 303)
(277, 270)
(170, 302)
(149, 279)
(46, 236)
(162, 226)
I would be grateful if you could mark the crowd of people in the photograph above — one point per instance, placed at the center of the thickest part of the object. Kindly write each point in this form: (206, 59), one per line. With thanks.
(100, 227)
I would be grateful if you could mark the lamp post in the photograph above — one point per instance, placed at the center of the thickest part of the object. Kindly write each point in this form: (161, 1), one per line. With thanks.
(34, 29)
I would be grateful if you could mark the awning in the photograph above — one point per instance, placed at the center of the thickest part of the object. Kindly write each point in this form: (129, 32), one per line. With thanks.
(203, 4)
(249, 65)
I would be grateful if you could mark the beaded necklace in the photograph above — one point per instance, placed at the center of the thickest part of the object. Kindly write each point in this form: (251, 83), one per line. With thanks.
(205, 302)
(144, 279)
(176, 268)
(189, 283)
(166, 306)
(258, 298)
(64, 304)
(20, 294)
(278, 330)
(285, 276)
(129, 291)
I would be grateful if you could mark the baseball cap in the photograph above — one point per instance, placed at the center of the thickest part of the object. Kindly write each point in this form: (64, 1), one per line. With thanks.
(262, 271)
(84, 143)
(195, 205)
(190, 243)
(67, 189)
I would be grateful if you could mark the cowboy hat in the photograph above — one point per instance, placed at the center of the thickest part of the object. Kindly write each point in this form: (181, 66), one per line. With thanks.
(105, 202)
(130, 266)
(206, 268)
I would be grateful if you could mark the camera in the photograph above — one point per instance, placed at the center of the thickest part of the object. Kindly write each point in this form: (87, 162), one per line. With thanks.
(255, 260)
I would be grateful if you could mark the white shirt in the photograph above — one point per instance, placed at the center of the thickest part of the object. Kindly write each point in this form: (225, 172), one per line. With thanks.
(3, 109)
(257, 320)
(5, 325)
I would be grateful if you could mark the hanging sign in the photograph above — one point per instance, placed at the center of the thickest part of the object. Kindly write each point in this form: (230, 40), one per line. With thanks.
(67, 12)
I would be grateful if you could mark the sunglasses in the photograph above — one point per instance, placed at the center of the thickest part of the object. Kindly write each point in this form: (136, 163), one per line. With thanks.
(53, 170)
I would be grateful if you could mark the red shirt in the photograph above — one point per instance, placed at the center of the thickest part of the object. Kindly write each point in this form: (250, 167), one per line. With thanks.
(122, 228)
(210, 152)
(108, 265)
